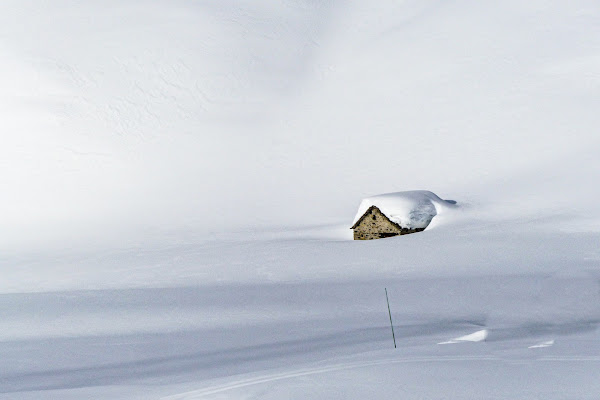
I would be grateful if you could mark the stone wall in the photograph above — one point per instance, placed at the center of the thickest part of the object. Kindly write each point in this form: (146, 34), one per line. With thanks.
(375, 225)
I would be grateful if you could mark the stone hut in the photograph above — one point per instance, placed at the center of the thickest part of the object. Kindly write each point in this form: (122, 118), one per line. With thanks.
(375, 225)
(399, 213)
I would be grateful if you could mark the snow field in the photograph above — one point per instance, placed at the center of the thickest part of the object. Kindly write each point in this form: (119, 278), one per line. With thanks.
(178, 181)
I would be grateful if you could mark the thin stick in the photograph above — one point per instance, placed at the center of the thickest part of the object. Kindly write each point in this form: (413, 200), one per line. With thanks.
(390, 313)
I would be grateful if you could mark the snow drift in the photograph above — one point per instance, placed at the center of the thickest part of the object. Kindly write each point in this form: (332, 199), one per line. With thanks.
(410, 209)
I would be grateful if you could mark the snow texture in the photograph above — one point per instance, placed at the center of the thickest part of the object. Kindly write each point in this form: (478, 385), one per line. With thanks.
(478, 336)
(178, 178)
(411, 209)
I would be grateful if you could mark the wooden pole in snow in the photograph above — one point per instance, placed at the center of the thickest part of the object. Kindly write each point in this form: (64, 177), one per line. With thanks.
(390, 314)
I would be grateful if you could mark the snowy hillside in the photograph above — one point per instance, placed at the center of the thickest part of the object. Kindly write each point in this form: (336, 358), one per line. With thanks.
(132, 116)
(179, 179)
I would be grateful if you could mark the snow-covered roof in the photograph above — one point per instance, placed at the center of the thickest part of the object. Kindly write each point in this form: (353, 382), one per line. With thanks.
(412, 209)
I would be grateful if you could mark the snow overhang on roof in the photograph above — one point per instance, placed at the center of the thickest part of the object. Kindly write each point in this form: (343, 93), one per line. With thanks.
(412, 209)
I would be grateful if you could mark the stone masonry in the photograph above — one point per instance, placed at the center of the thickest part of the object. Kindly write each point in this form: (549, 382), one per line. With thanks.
(375, 225)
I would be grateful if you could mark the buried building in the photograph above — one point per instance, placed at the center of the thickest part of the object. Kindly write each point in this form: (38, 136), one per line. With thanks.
(395, 214)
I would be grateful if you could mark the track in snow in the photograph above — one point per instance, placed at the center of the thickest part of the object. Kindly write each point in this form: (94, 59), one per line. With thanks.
(237, 384)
